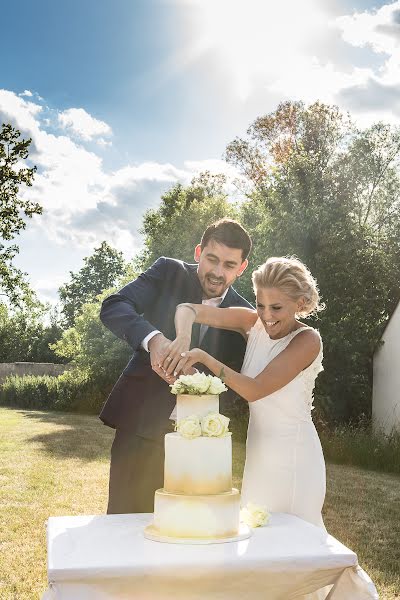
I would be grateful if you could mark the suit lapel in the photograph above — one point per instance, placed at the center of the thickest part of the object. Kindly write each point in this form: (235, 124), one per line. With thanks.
(212, 334)
(195, 297)
(229, 300)
(196, 291)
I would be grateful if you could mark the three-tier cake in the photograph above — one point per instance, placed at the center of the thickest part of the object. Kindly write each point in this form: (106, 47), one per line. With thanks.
(197, 503)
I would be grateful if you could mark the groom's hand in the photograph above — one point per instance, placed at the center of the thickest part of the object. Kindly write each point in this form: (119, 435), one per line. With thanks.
(172, 355)
(158, 347)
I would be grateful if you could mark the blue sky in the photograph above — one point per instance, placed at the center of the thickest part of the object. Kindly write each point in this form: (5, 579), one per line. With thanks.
(124, 98)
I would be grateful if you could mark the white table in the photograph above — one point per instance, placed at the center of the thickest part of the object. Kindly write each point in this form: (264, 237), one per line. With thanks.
(107, 557)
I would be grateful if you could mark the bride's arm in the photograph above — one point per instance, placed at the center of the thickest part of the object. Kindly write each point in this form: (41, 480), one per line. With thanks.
(238, 319)
(298, 355)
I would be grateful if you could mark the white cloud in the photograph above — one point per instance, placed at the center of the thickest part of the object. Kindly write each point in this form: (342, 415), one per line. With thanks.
(375, 95)
(83, 203)
(21, 111)
(380, 29)
(315, 81)
(369, 91)
(26, 93)
(82, 124)
(103, 143)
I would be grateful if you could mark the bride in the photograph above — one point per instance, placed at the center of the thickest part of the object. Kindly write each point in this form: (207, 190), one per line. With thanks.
(285, 468)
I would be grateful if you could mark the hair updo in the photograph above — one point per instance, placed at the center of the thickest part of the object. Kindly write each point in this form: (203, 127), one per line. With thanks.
(293, 278)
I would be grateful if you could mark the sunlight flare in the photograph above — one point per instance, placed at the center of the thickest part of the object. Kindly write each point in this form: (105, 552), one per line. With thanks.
(251, 38)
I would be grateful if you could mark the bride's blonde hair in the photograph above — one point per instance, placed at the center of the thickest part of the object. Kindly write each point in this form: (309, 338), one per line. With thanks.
(293, 278)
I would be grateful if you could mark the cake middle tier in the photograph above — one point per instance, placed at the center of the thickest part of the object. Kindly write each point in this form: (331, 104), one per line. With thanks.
(199, 466)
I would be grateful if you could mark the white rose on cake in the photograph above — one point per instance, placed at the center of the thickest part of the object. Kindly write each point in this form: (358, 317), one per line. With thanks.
(189, 428)
(254, 515)
(216, 386)
(191, 384)
(215, 425)
(198, 384)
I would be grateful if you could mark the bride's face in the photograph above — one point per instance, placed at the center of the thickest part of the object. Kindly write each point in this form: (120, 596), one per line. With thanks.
(277, 311)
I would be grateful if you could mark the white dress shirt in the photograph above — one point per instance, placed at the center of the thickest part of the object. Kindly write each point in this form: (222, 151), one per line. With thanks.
(203, 328)
(210, 302)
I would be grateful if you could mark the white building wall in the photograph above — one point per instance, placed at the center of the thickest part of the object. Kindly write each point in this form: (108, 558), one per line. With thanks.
(386, 384)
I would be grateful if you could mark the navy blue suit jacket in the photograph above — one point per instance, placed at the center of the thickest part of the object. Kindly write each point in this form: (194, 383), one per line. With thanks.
(141, 401)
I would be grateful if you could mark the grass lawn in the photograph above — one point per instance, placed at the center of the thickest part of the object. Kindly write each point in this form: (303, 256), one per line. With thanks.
(57, 464)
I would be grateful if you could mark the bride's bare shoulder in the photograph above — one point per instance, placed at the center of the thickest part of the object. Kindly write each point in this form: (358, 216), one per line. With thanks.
(307, 338)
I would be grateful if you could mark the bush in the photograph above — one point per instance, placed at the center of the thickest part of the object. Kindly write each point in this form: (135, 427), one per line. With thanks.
(73, 391)
(361, 446)
(30, 391)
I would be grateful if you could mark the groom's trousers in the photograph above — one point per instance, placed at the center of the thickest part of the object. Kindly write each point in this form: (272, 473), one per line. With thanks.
(136, 472)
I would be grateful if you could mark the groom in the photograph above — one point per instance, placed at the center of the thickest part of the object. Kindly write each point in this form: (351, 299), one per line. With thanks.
(142, 313)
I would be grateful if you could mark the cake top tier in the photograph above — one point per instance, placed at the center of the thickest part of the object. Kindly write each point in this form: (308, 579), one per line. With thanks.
(197, 394)
(200, 405)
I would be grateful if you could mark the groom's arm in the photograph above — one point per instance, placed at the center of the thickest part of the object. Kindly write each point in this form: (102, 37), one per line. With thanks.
(122, 313)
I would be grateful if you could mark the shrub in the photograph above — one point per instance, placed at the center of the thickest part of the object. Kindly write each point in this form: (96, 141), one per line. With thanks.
(74, 391)
(29, 391)
(362, 446)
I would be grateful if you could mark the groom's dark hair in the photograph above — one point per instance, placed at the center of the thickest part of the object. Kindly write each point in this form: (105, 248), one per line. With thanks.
(230, 233)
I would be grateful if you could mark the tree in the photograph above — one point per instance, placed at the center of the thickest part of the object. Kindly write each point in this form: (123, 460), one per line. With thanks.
(13, 208)
(24, 336)
(328, 192)
(101, 270)
(91, 347)
(97, 355)
(176, 226)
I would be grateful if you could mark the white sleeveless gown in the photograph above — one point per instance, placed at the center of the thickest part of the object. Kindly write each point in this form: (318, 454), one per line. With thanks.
(285, 467)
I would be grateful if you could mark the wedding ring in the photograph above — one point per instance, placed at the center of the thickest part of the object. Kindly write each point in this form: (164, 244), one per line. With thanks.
(169, 358)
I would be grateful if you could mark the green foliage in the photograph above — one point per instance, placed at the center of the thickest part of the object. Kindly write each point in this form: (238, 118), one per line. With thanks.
(24, 336)
(91, 347)
(101, 270)
(359, 445)
(327, 192)
(97, 358)
(177, 225)
(13, 208)
(73, 391)
(30, 391)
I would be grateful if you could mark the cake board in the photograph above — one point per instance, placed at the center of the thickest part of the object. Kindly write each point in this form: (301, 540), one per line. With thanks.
(151, 533)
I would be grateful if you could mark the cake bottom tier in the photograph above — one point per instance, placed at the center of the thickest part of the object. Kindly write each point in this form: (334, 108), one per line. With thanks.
(206, 516)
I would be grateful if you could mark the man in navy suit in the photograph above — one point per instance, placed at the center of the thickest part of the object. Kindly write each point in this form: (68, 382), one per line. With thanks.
(142, 313)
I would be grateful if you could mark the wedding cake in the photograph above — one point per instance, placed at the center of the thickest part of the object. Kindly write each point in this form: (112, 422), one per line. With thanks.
(197, 503)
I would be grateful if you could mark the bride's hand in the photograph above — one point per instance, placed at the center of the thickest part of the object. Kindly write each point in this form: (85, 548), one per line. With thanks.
(188, 359)
(173, 354)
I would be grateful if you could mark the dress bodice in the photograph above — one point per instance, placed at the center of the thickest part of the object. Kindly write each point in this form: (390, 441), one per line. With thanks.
(293, 402)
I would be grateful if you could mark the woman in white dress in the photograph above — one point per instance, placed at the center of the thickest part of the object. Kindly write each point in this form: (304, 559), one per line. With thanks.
(284, 469)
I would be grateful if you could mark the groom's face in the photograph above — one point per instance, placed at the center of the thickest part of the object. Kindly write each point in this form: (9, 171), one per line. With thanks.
(218, 268)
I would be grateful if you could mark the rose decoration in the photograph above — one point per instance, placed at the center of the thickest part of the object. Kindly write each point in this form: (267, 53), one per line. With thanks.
(216, 386)
(215, 425)
(254, 515)
(189, 427)
(197, 384)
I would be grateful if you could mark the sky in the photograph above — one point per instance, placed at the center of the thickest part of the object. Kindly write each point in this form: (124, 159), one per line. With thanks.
(125, 98)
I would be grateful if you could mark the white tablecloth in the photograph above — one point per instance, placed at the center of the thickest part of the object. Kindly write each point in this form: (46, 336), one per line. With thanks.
(107, 557)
